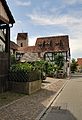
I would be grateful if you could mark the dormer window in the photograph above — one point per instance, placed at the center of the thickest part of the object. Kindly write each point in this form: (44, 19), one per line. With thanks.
(51, 43)
(57, 43)
(40, 44)
(47, 43)
(61, 44)
(44, 44)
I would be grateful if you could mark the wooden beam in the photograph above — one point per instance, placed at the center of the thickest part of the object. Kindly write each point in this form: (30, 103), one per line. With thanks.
(3, 26)
(7, 44)
(2, 39)
(7, 41)
(66, 56)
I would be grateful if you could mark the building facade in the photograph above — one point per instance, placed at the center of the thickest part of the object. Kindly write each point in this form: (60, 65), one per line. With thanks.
(79, 62)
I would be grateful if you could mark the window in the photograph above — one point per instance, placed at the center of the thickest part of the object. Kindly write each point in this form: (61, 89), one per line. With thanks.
(61, 43)
(21, 44)
(40, 44)
(49, 56)
(51, 43)
(44, 44)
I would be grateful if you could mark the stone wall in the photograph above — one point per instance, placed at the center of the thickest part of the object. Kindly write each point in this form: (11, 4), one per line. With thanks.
(25, 87)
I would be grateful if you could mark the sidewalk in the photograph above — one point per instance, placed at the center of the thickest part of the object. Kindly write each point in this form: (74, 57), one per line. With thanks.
(29, 107)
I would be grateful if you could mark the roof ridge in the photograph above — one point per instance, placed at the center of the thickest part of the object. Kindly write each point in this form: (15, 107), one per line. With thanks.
(53, 36)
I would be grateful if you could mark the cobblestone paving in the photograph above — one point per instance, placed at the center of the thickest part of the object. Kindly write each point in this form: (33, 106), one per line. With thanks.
(29, 107)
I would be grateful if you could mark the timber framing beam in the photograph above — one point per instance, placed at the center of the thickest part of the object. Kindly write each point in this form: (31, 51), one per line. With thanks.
(7, 44)
(7, 41)
(2, 39)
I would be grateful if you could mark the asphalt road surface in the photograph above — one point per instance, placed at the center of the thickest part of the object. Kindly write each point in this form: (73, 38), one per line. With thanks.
(68, 105)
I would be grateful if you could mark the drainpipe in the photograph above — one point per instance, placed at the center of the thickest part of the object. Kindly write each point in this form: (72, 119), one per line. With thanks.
(7, 45)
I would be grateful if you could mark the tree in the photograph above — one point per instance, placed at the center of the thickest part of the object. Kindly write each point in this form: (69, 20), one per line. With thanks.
(73, 65)
(59, 61)
(41, 66)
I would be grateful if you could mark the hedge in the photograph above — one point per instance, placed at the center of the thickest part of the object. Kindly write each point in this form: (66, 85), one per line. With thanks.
(24, 76)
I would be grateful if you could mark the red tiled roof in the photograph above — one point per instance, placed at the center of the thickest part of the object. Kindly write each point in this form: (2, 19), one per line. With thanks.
(13, 45)
(54, 43)
(30, 57)
(48, 44)
(22, 36)
(79, 61)
(28, 49)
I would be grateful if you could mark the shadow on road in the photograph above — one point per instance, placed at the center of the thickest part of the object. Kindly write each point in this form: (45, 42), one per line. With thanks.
(60, 114)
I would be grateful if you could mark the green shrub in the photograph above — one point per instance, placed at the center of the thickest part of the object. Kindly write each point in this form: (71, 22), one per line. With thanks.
(23, 72)
(24, 76)
(21, 67)
(39, 65)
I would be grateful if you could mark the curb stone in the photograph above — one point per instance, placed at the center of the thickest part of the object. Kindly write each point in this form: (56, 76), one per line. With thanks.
(50, 103)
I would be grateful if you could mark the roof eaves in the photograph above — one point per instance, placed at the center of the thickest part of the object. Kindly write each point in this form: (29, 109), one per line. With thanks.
(11, 18)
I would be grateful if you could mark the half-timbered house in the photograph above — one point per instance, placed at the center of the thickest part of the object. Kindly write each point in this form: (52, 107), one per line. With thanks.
(48, 47)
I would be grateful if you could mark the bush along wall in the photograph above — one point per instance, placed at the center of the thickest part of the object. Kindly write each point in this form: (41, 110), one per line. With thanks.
(24, 79)
(24, 72)
(24, 76)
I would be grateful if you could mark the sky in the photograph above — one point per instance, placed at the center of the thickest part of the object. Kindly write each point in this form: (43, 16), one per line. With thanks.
(41, 18)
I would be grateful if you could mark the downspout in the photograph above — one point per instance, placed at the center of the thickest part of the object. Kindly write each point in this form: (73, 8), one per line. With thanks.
(8, 45)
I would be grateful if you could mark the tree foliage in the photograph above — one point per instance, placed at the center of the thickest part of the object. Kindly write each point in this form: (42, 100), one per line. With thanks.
(73, 65)
(24, 67)
(59, 61)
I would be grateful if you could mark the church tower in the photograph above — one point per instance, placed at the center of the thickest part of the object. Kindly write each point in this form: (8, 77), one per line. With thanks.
(22, 39)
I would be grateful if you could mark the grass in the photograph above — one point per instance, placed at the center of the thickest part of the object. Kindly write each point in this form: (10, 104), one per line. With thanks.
(8, 97)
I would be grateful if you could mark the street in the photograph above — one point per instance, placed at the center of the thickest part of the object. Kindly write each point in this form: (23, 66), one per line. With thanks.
(68, 105)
